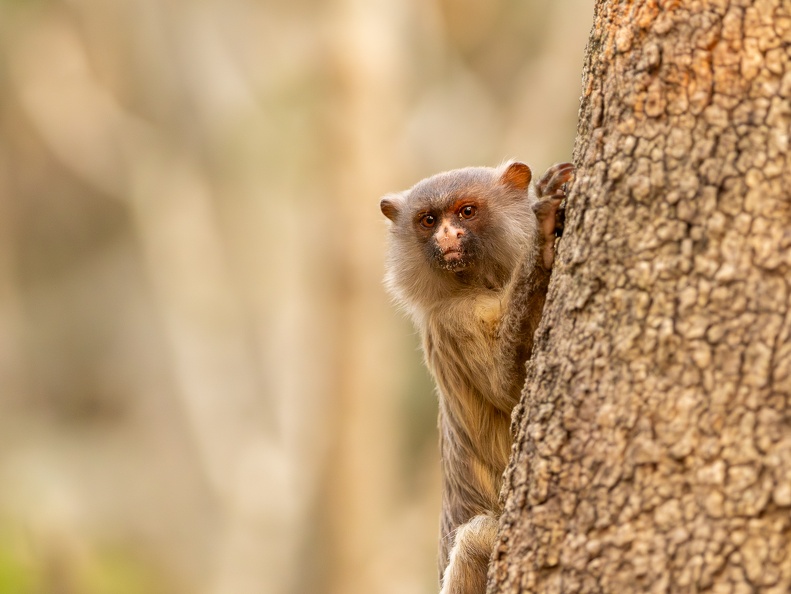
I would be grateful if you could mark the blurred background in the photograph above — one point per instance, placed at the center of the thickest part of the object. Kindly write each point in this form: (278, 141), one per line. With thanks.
(203, 386)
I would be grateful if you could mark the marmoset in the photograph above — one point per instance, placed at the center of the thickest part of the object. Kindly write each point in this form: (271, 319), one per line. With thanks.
(469, 258)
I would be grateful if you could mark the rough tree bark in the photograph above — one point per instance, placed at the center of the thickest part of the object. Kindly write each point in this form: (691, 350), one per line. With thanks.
(653, 441)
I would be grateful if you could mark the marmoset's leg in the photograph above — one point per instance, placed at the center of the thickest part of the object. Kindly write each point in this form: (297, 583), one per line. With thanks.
(469, 557)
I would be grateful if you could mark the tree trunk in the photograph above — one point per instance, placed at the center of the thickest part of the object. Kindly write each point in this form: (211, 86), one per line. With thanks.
(653, 441)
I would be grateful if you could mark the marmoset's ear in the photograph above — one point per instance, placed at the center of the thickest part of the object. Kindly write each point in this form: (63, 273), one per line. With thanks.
(517, 175)
(391, 205)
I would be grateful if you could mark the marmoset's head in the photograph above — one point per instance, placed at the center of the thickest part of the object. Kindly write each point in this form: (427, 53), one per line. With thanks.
(458, 231)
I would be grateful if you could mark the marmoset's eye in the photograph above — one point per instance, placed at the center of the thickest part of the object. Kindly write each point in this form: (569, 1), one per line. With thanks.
(428, 221)
(468, 212)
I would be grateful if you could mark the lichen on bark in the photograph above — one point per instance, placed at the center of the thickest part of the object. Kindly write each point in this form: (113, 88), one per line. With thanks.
(653, 441)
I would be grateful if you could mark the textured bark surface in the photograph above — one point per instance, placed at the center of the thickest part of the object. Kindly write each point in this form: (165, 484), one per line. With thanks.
(653, 443)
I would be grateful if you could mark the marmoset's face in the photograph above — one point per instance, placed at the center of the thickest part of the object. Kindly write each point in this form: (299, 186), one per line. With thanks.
(451, 235)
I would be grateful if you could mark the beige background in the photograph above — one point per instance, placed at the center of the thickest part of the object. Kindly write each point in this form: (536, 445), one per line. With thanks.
(203, 387)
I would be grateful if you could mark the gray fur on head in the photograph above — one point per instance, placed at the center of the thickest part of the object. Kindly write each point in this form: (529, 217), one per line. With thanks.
(510, 231)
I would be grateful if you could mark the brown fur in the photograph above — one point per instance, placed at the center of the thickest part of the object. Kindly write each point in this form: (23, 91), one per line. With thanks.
(477, 310)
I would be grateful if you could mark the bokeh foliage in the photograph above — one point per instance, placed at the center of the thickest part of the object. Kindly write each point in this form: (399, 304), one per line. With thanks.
(203, 387)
